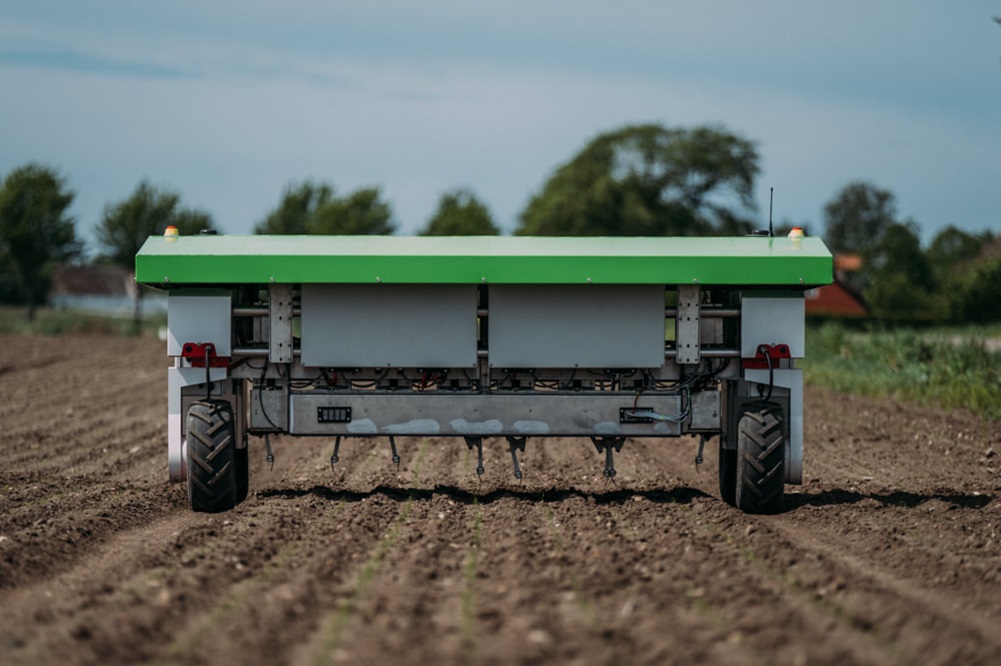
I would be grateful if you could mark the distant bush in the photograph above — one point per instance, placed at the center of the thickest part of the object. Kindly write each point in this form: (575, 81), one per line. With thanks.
(63, 322)
(975, 294)
(948, 368)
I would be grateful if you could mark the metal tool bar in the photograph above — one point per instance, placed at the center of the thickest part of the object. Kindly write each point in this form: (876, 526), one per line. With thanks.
(671, 313)
(708, 353)
(257, 352)
(254, 311)
(723, 312)
(485, 415)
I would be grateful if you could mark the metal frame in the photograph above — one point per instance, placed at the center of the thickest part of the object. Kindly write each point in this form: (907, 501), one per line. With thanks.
(716, 330)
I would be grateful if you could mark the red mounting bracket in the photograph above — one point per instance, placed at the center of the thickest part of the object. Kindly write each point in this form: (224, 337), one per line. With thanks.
(197, 353)
(767, 356)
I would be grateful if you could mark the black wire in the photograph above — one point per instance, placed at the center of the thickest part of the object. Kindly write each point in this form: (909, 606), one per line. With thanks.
(548, 385)
(305, 383)
(569, 385)
(352, 384)
(771, 376)
(260, 396)
(474, 382)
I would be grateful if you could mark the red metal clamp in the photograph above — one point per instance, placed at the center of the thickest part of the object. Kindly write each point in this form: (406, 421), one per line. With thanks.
(767, 356)
(198, 352)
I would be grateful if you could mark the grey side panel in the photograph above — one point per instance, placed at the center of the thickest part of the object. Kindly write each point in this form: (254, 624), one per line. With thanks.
(775, 318)
(381, 325)
(478, 415)
(199, 316)
(706, 411)
(567, 326)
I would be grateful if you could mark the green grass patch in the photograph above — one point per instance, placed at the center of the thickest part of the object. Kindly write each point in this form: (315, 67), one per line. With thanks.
(468, 594)
(336, 626)
(51, 321)
(348, 605)
(583, 605)
(953, 368)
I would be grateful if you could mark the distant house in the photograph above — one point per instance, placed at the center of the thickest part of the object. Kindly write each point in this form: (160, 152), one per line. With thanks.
(104, 289)
(838, 299)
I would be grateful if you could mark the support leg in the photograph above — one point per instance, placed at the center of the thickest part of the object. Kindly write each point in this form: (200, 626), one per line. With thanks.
(396, 456)
(335, 457)
(270, 454)
(698, 456)
(478, 443)
(516, 444)
(609, 445)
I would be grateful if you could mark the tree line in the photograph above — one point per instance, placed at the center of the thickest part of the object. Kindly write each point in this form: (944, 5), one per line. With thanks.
(638, 180)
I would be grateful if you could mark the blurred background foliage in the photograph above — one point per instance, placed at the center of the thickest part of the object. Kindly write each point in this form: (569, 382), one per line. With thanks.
(644, 179)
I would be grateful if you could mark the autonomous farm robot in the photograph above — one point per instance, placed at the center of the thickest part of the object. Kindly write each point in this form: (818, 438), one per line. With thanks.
(504, 338)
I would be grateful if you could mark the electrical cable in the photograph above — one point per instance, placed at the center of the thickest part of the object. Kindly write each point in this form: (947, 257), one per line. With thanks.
(304, 383)
(771, 376)
(763, 350)
(367, 385)
(686, 407)
(260, 396)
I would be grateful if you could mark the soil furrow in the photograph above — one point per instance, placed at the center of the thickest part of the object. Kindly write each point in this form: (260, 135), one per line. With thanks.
(890, 553)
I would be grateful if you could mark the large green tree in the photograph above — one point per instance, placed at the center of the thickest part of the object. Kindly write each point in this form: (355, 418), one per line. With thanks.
(314, 208)
(903, 285)
(857, 217)
(35, 232)
(361, 212)
(294, 213)
(148, 211)
(10, 289)
(856, 220)
(460, 213)
(649, 180)
(952, 248)
(975, 293)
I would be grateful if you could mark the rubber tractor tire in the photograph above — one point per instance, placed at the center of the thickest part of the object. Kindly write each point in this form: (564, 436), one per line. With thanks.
(760, 482)
(728, 475)
(212, 456)
(242, 460)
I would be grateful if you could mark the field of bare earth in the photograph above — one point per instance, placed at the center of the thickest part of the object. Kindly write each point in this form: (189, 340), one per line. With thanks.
(890, 553)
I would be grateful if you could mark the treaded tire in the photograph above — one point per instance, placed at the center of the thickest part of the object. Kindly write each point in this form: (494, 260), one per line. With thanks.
(212, 460)
(728, 475)
(760, 482)
(241, 459)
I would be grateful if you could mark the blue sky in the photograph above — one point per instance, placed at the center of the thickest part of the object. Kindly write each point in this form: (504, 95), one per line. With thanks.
(227, 102)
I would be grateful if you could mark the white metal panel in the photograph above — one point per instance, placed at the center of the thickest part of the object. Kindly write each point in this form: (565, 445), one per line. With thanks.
(567, 326)
(389, 325)
(772, 319)
(199, 317)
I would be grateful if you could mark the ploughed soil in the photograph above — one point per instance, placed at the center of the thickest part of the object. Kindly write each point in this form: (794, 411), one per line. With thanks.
(890, 553)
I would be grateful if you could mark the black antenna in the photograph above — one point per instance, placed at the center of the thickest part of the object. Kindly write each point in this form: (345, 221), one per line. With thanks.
(771, 200)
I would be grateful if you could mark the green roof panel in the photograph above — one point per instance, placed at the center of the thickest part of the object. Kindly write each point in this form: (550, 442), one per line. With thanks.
(207, 260)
